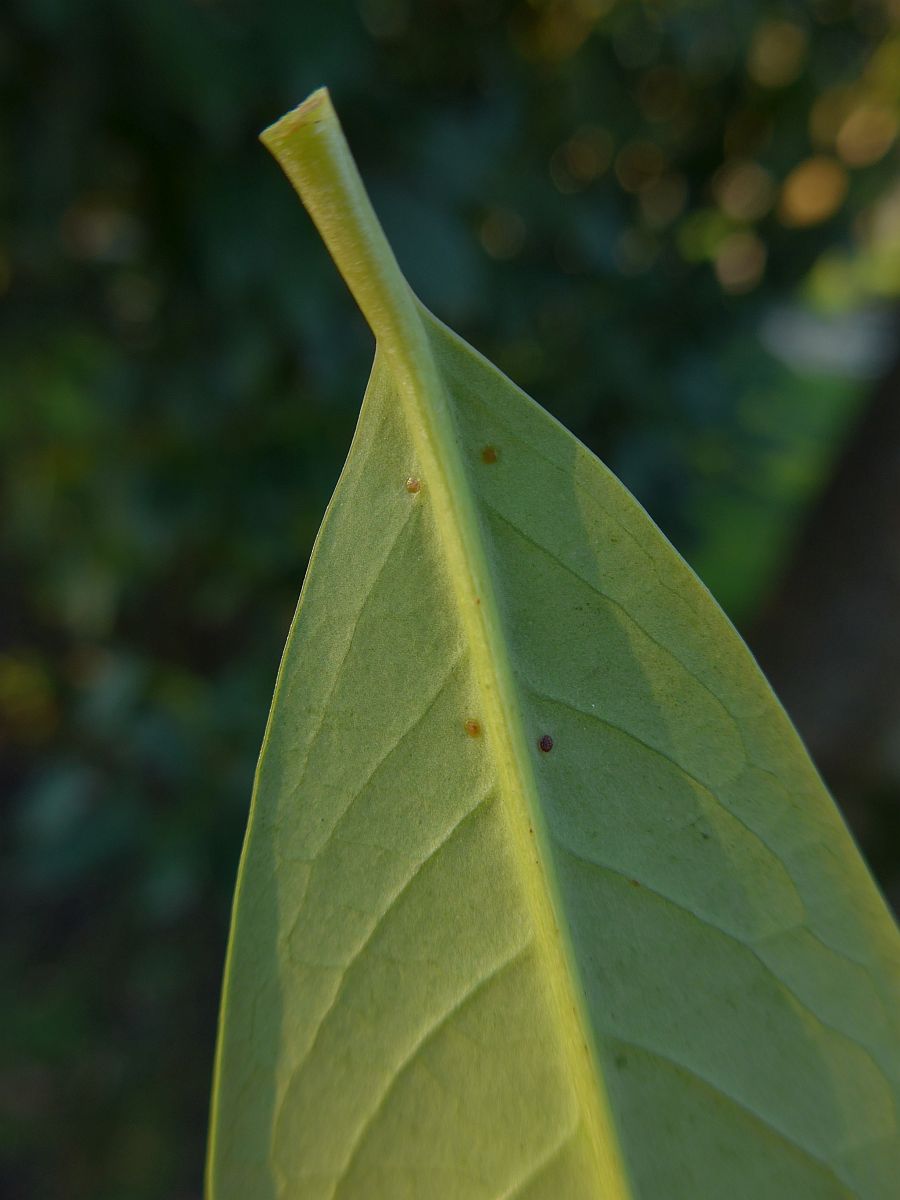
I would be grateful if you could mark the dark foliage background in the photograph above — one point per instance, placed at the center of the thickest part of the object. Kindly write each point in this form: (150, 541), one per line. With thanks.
(677, 224)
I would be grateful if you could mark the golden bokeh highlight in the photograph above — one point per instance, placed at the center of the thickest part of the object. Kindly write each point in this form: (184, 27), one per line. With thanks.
(777, 53)
(812, 192)
(866, 135)
(740, 262)
(744, 190)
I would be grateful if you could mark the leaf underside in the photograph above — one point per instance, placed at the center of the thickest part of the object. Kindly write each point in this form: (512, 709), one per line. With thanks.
(392, 1020)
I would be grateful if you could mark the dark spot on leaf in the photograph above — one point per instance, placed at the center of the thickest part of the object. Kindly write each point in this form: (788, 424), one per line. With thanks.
(413, 485)
(473, 727)
(546, 743)
(621, 1061)
(634, 882)
(489, 454)
(705, 836)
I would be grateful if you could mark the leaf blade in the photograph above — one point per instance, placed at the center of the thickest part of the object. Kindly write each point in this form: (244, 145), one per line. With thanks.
(540, 600)
(743, 802)
(477, 947)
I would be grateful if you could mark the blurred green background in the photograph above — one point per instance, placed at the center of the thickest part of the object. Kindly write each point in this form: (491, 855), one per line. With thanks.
(677, 224)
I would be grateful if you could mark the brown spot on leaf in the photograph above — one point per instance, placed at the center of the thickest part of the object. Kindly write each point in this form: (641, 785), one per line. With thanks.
(489, 454)
(545, 744)
(473, 727)
(413, 485)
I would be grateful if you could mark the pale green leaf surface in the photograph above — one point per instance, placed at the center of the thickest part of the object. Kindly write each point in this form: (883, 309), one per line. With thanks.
(649, 963)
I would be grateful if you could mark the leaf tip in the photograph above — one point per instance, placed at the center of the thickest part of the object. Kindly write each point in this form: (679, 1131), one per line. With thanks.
(316, 109)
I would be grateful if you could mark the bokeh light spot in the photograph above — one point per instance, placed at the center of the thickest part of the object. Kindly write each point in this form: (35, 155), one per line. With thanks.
(777, 54)
(744, 191)
(866, 135)
(740, 261)
(813, 192)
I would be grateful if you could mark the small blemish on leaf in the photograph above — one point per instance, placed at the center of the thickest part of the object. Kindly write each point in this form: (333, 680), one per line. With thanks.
(621, 1061)
(634, 882)
(473, 727)
(413, 485)
(545, 743)
(489, 454)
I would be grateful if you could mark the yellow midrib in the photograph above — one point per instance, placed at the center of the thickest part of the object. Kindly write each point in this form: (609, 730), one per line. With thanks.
(309, 145)
(446, 482)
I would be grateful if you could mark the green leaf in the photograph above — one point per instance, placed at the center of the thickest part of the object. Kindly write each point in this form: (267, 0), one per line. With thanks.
(643, 961)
